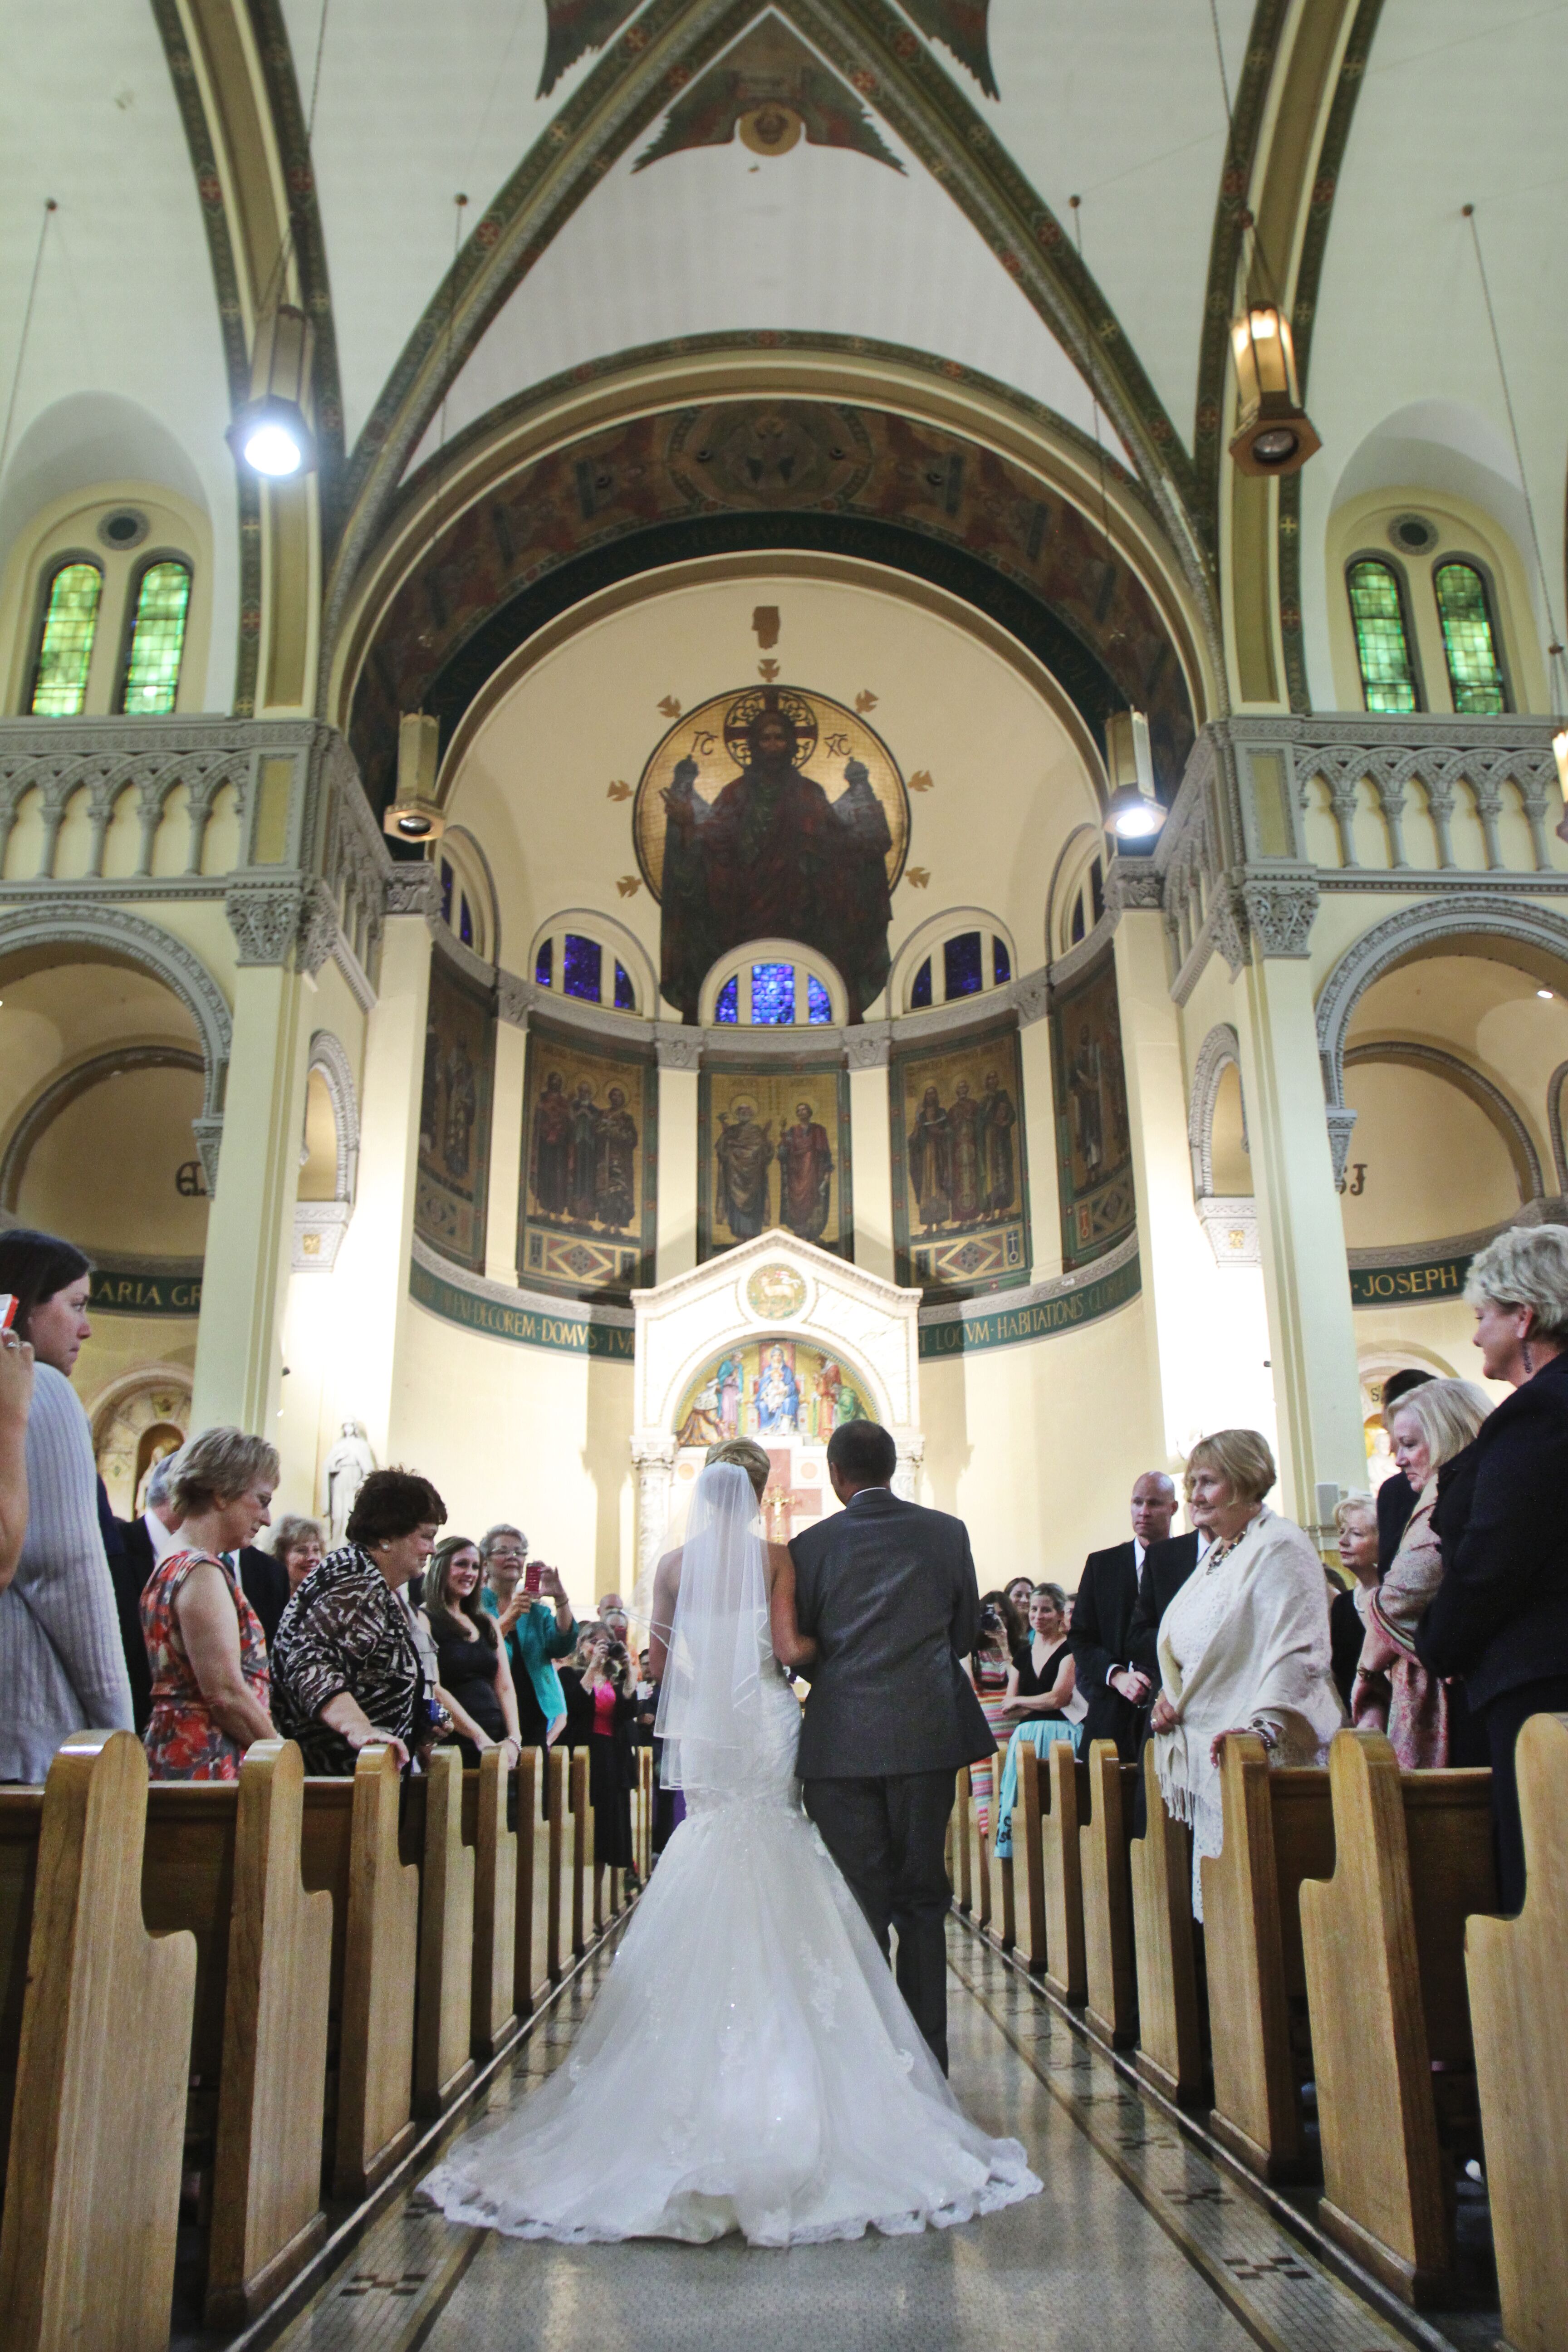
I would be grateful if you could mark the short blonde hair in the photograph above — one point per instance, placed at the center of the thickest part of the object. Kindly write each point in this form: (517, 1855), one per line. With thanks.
(1242, 1458)
(1447, 1413)
(292, 1532)
(746, 1454)
(1364, 1507)
(1526, 1266)
(219, 1465)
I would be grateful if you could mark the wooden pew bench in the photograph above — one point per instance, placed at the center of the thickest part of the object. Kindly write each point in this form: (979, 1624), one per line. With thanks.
(1170, 2052)
(1054, 1801)
(1384, 1943)
(1110, 1980)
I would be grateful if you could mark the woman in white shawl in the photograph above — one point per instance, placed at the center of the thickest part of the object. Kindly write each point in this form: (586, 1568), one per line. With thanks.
(1244, 1647)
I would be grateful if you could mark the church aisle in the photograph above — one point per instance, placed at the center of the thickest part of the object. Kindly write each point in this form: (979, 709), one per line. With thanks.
(1138, 2239)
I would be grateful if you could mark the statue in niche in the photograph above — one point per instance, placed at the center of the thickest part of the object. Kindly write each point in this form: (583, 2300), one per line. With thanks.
(347, 1467)
(805, 1175)
(745, 1152)
(584, 1115)
(964, 1128)
(615, 1171)
(776, 1397)
(998, 1183)
(550, 1175)
(772, 855)
(930, 1160)
(1085, 1088)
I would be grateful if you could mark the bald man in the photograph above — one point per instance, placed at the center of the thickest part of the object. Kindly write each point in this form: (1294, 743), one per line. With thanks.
(1102, 1620)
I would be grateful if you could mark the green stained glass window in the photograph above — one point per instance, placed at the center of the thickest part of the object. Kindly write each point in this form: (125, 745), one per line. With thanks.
(1381, 644)
(1470, 642)
(157, 639)
(65, 648)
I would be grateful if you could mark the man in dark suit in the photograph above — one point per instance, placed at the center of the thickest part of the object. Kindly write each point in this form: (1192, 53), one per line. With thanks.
(265, 1583)
(1166, 1567)
(888, 1592)
(1103, 1619)
(142, 1544)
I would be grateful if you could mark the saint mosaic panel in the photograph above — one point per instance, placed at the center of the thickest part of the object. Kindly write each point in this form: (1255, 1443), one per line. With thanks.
(771, 1390)
(961, 1190)
(452, 1175)
(586, 1224)
(773, 1148)
(1094, 1143)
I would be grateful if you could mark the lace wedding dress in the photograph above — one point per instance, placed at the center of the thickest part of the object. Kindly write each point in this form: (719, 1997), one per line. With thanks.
(750, 2063)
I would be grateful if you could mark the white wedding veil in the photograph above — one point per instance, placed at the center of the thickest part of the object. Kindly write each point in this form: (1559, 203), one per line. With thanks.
(711, 1703)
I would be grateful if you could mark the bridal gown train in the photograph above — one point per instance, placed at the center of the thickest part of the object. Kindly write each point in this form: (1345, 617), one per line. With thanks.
(749, 2063)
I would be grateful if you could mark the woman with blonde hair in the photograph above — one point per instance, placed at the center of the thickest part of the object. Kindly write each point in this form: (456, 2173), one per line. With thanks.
(211, 1687)
(1394, 1691)
(1244, 1647)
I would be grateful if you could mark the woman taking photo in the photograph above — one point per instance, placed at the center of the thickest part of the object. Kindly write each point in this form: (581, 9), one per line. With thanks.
(346, 1669)
(210, 1684)
(473, 1677)
(608, 1712)
(62, 1667)
(1244, 1647)
(1499, 1616)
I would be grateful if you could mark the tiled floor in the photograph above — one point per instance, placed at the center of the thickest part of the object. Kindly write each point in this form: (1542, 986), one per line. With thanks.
(1137, 2242)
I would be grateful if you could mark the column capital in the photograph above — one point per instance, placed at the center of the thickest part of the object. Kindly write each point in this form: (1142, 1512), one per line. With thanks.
(677, 1047)
(869, 1046)
(1280, 909)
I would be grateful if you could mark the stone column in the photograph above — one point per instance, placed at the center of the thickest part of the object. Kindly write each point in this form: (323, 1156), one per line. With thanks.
(911, 1445)
(679, 1054)
(509, 1129)
(653, 1458)
(251, 1228)
(1039, 1118)
(1305, 1273)
(871, 1176)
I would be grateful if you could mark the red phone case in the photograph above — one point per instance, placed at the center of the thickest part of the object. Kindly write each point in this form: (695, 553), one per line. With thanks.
(7, 1309)
(533, 1576)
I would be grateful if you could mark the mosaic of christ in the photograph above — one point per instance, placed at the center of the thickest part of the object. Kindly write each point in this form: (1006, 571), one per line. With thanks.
(773, 814)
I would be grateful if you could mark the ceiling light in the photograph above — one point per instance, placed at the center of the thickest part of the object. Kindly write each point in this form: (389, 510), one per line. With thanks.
(1133, 811)
(270, 434)
(416, 814)
(1547, 992)
(1273, 432)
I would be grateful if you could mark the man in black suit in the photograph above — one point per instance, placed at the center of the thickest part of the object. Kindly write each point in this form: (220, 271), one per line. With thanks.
(888, 1592)
(1166, 1567)
(142, 1544)
(265, 1583)
(1103, 1619)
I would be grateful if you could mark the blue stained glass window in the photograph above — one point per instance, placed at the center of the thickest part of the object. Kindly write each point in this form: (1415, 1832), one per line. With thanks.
(445, 893)
(964, 969)
(773, 993)
(729, 1005)
(1001, 962)
(919, 995)
(626, 994)
(819, 1003)
(582, 967)
(545, 966)
(465, 924)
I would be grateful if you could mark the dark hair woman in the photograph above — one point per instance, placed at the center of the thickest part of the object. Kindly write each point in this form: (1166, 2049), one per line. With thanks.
(62, 1665)
(473, 1677)
(345, 1664)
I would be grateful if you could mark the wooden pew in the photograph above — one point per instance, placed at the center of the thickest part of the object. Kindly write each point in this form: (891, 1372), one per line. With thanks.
(493, 1998)
(431, 1837)
(1170, 2034)
(528, 1948)
(582, 1832)
(222, 1860)
(1519, 2012)
(1064, 1798)
(92, 2179)
(1027, 1834)
(1110, 1977)
(1384, 1945)
(351, 1849)
(555, 1813)
(1279, 1829)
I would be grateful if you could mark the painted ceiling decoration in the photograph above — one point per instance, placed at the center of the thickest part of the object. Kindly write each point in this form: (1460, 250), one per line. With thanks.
(574, 28)
(757, 474)
(769, 89)
(960, 26)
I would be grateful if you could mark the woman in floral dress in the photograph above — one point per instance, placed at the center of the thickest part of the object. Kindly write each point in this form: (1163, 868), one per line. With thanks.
(211, 1690)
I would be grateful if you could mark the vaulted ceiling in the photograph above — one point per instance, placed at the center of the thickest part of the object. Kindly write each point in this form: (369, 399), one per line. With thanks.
(841, 169)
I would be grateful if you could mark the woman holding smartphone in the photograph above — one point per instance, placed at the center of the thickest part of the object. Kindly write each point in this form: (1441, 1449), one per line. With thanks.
(535, 1623)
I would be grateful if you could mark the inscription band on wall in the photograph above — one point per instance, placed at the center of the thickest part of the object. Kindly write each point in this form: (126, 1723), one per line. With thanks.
(1396, 1286)
(968, 1335)
(570, 1335)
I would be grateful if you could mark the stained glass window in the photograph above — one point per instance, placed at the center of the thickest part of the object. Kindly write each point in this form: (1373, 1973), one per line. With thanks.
(65, 648)
(919, 995)
(1001, 962)
(1381, 641)
(544, 965)
(1097, 889)
(1470, 642)
(466, 923)
(1078, 918)
(445, 893)
(582, 967)
(729, 1005)
(964, 971)
(773, 993)
(626, 994)
(819, 1003)
(157, 640)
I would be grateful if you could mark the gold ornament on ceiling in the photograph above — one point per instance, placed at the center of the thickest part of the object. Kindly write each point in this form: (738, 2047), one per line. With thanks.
(866, 700)
(766, 625)
(770, 130)
(919, 877)
(921, 781)
(768, 670)
(772, 90)
(629, 885)
(619, 791)
(670, 705)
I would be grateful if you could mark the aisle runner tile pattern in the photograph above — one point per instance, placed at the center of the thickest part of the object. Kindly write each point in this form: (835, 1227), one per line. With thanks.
(1137, 2242)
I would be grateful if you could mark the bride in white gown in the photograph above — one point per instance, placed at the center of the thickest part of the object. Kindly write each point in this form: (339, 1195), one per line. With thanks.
(749, 2063)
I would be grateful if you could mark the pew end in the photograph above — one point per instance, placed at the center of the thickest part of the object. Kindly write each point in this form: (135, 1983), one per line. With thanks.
(380, 1896)
(92, 2179)
(1170, 2052)
(1065, 1802)
(1111, 1975)
(1517, 2004)
(494, 1848)
(432, 1839)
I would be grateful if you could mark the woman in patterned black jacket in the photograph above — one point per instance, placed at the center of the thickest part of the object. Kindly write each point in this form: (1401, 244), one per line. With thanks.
(345, 1668)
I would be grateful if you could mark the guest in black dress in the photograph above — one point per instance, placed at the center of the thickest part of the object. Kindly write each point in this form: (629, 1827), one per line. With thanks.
(1042, 1684)
(473, 1675)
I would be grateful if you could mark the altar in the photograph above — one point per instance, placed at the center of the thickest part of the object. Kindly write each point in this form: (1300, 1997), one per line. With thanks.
(780, 1341)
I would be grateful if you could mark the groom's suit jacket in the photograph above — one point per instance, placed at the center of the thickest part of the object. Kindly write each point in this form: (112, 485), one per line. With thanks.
(888, 1592)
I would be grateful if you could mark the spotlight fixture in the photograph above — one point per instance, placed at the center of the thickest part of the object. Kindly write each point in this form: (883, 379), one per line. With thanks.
(270, 434)
(1547, 992)
(1133, 811)
(416, 814)
(1274, 435)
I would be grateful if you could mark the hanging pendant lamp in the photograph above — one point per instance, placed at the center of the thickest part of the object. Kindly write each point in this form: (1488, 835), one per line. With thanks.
(270, 435)
(1273, 435)
(1133, 813)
